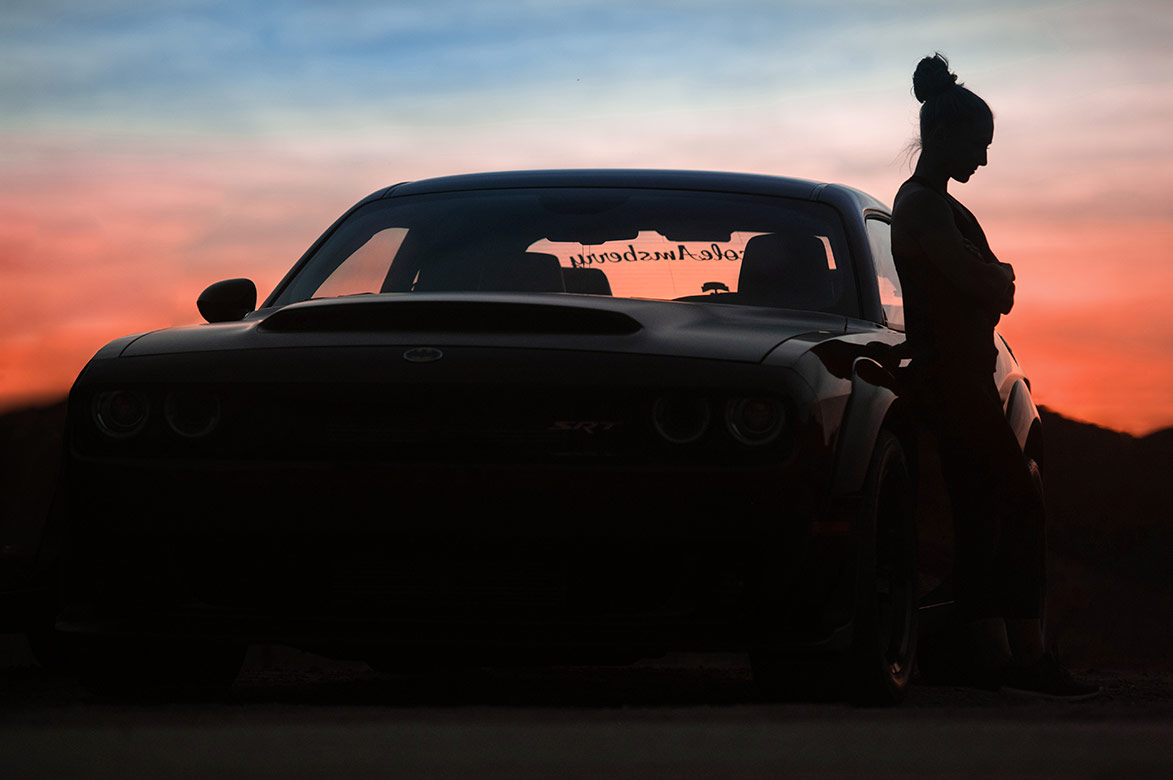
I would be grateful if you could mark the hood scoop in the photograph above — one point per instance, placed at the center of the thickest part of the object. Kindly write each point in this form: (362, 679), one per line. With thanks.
(431, 316)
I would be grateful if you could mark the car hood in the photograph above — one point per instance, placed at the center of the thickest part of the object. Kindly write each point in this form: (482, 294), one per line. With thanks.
(537, 321)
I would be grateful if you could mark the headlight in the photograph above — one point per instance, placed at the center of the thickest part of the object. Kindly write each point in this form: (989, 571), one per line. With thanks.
(192, 414)
(120, 413)
(681, 419)
(756, 420)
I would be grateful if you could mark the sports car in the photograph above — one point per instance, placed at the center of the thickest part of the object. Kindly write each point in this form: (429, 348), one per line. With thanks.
(535, 416)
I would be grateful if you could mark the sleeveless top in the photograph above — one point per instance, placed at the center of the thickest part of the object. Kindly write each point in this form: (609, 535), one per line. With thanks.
(945, 326)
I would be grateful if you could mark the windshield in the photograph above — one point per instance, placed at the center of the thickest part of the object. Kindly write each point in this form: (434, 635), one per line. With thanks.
(635, 243)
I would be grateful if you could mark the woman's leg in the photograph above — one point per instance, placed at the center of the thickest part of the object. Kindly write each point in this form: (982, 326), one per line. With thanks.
(998, 524)
(1025, 640)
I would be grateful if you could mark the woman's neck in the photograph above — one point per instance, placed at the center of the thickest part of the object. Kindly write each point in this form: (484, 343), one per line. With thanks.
(932, 173)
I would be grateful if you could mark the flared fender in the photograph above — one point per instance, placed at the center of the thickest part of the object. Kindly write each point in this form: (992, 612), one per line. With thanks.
(873, 394)
(1021, 412)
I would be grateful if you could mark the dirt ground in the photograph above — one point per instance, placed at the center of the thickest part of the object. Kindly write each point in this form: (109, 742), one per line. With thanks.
(275, 674)
(295, 715)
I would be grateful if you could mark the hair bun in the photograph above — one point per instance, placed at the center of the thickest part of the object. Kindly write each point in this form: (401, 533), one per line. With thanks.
(932, 77)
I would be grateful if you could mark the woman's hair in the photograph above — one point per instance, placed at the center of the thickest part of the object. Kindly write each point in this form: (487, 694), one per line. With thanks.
(945, 103)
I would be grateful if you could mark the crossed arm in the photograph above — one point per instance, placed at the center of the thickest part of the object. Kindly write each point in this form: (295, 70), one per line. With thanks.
(972, 269)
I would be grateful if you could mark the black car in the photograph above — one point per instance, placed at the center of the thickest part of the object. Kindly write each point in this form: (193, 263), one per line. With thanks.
(530, 416)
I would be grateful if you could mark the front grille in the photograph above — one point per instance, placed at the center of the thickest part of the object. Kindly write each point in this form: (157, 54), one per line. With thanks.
(447, 425)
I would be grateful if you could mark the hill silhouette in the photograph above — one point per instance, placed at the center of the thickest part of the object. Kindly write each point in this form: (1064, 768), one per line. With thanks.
(30, 459)
(1109, 496)
(1110, 531)
(1111, 542)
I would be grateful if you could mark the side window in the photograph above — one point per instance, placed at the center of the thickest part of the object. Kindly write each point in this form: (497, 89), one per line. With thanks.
(880, 238)
(365, 269)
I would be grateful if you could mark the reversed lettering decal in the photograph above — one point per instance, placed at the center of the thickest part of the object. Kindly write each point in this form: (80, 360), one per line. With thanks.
(713, 252)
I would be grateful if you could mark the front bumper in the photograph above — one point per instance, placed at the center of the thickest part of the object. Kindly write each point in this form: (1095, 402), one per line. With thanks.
(354, 556)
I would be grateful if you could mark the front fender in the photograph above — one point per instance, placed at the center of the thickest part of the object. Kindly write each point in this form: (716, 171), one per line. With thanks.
(873, 395)
(1021, 412)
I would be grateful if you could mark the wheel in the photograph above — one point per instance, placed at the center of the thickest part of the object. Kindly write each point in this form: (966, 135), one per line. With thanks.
(883, 649)
(878, 666)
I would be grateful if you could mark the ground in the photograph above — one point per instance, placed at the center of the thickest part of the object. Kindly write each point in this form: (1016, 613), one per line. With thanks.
(293, 715)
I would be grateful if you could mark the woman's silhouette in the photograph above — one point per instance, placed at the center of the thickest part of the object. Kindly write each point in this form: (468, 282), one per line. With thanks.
(955, 291)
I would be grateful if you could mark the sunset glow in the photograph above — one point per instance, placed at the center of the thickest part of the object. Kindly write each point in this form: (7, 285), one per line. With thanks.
(145, 154)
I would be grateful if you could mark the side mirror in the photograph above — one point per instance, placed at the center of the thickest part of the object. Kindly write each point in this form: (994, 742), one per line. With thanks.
(228, 301)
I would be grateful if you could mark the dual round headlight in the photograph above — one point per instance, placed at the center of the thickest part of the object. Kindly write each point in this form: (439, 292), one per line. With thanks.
(686, 418)
(681, 419)
(755, 420)
(191, 414)
(121, 413)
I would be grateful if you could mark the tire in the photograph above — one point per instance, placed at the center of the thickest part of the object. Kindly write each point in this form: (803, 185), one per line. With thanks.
(884, 635)
(878, 666)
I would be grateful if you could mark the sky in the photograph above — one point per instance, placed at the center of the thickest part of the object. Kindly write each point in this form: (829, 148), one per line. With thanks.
(148, 150)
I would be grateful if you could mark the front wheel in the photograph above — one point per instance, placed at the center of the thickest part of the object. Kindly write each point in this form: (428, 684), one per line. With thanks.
(878, 666)
(885, 623)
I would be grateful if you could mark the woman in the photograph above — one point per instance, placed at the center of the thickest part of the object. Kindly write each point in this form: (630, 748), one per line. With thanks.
(955, 291)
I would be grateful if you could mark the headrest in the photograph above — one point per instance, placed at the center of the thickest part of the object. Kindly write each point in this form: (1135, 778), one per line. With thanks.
(529, 272)
(787, 270)
(586, 281)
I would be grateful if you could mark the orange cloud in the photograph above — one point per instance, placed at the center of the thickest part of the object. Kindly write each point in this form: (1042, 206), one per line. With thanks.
(95, 247)
(1093, 324)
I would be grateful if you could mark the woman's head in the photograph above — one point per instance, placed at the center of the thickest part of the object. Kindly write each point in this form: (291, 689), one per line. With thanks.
(956, 126)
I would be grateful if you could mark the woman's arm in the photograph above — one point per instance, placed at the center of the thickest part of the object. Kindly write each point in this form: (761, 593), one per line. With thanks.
(1006, 303)
(927, 219)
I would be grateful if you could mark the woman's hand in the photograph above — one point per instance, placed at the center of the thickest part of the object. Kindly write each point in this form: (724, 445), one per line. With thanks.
(1008, 297)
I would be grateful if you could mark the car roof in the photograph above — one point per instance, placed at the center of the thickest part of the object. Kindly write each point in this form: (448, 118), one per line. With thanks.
(846, 198)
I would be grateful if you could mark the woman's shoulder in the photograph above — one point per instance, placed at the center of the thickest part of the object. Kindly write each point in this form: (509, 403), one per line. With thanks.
(917, 188)
(918, 202)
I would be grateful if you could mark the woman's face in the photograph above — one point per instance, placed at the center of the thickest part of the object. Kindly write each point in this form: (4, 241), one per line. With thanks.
(965, 150)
